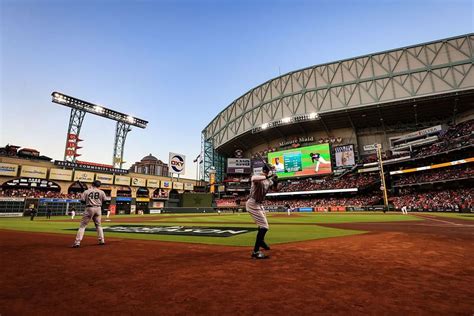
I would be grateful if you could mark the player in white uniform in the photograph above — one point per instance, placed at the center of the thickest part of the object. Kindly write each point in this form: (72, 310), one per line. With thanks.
(93, 198)
(259, 188)
(404, 210)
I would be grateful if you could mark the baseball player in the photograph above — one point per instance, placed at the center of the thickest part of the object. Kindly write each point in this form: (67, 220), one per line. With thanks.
(319, 159)
(93, 198)
(404, 210)
(259, 188)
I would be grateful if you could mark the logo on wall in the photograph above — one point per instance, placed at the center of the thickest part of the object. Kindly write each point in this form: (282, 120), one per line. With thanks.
(238, 153)
(177, 163)
(179, 230)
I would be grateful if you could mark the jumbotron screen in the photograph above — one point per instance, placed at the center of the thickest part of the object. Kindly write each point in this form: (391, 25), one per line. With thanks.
(304, 161)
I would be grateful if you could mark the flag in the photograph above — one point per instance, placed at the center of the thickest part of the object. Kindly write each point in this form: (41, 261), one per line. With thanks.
(199, 156)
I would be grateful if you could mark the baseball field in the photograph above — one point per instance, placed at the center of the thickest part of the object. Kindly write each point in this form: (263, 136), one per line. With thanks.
(343, 263)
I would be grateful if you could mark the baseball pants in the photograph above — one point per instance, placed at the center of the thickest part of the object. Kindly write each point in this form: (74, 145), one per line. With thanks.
(257, 212)
(93, 213)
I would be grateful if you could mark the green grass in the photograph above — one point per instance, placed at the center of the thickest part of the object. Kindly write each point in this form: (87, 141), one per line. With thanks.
(285, 229)
(310, 218)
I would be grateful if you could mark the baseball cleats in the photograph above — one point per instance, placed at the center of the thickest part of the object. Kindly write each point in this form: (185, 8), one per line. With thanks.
(75, 246)
(265, 246)
(259, 255)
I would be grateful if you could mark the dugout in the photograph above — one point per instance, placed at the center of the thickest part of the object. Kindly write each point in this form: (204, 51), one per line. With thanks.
(123, 205)
(59, 207)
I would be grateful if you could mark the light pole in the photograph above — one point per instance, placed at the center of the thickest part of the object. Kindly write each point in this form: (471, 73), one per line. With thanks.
(382, 175)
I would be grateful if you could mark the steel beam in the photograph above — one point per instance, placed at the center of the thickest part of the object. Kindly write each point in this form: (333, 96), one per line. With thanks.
(121, 132)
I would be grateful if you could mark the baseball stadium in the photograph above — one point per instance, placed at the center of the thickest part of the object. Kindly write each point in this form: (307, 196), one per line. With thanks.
(370, 210)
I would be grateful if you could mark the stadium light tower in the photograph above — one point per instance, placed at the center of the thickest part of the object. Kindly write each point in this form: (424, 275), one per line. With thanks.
(79, 108)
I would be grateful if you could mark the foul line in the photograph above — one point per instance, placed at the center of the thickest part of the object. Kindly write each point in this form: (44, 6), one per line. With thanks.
(442, 221)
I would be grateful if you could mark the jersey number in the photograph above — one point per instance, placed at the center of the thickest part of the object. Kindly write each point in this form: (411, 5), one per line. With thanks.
(93, 195)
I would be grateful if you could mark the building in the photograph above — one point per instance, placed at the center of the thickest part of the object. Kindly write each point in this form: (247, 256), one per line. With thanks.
(150, 165)
(357, 101)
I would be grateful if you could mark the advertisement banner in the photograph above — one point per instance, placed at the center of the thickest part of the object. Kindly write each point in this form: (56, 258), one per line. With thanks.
(345, 156)
(89, 166)
(178, 186)
(257, 166)
(84, 176)
(153, 183)
(122, 180)
(11, 214)
(177, 163)
(60, 174)
(8, 169)
(31, 183)
(11, 199)
(143, 199)
(157, 204)
(417, 134)
(370, 147)
(189, 186)
(239, 165)
(165, 184)
(138, 182)
(304, 161)
(435, 166)
(104, 178)
(212, 181)
(33, 172)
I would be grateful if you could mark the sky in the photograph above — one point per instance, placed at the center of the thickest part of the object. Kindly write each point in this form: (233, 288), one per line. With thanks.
(177, 64)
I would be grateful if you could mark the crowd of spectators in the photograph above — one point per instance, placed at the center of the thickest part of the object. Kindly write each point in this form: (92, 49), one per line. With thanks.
(35, 193)
(227, 202)
(455, 137)
(385, 156)
(330, 183)
(359, 200)
(435, 175)
(450, 199)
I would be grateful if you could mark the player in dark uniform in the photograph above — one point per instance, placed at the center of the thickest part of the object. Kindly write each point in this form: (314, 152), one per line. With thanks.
(33, 214)
(259, 188)
(93, 198)
(318, 159)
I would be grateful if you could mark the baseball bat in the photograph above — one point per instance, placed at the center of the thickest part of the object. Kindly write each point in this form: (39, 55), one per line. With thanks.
(264, 162)
(81, 185)
(275, 182)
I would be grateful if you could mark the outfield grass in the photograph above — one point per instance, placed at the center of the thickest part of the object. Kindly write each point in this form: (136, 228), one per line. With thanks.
(301, 218)
(286, 229)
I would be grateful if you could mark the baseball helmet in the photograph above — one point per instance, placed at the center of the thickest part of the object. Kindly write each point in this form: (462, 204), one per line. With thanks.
(96, 183)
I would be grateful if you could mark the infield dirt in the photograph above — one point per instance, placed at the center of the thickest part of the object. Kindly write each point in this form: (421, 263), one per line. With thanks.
(417, 267)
